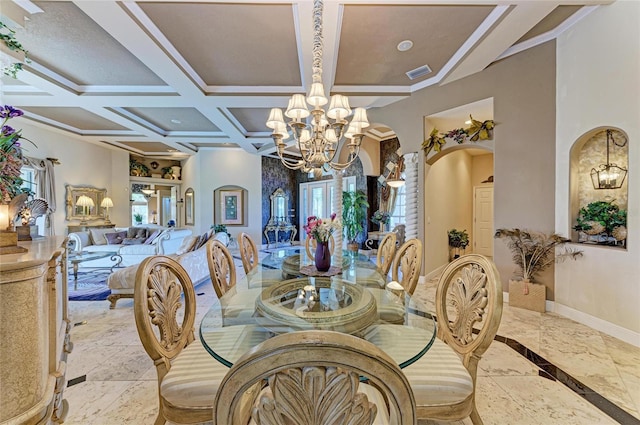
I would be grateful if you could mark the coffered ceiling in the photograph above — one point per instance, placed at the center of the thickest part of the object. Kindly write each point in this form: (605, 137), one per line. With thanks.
(162, 78)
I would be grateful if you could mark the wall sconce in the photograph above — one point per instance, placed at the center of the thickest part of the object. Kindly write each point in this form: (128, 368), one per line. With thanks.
(84, 201)
(394, 169)
(106, 203)
(609, 175)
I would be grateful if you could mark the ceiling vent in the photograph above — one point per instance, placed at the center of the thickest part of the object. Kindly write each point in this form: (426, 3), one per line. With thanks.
(419, 72)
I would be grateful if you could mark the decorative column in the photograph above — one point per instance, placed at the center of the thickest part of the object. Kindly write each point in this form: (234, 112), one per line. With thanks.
(411, 194)
(337, 205)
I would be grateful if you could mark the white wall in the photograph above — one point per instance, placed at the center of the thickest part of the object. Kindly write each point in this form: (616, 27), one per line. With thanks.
(231, 167)
(598, 84)
(81, 164)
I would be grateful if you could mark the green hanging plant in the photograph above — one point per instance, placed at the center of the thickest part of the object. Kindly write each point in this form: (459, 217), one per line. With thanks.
(8, 36)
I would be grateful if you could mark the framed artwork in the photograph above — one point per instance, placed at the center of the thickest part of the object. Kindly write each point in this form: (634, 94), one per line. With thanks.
(231, 207)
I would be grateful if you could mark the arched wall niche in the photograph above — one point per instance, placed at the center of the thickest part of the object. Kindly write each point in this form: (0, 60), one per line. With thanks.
(587, 153)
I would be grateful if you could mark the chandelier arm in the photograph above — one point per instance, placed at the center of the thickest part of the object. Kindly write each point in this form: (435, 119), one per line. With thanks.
(285, 161)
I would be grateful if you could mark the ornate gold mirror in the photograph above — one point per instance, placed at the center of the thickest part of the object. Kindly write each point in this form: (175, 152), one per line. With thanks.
(76, 210)
(279, 208)
(189, 207)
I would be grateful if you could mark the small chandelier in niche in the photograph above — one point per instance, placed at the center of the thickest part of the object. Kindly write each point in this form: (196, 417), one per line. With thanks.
(318, 141)
(609, 175)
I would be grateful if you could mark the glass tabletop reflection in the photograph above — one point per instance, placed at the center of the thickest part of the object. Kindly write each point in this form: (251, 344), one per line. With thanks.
(357, 301)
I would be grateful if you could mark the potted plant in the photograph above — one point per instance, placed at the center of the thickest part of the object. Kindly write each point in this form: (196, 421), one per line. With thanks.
(138, 218)
(532, 253)
(354, 213)
(381, 218)
(602, 222)
(458, 240)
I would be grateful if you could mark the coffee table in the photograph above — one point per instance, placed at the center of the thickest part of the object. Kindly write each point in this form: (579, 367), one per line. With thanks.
(80, 257)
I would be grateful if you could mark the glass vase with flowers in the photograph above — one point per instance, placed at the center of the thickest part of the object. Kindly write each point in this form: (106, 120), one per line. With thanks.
(321, 229)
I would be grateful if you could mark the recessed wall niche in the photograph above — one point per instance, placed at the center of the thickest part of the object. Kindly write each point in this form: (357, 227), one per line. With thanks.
(587, 154)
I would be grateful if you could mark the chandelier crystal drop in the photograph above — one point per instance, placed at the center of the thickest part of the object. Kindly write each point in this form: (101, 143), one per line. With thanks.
(318, 135)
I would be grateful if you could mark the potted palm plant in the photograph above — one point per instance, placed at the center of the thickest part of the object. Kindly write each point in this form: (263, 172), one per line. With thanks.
(354, 213)
(532, 253)
(458, 241)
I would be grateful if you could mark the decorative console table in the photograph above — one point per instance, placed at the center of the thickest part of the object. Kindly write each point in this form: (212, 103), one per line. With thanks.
(277, 228)
(34, 326)
(84, 227)
(279, 220)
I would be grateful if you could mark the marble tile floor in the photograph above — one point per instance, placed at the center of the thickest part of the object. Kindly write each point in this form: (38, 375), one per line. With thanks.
(121, 386)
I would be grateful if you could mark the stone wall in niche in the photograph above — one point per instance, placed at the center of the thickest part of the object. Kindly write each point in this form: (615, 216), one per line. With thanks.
(274, 176)
(592, 154)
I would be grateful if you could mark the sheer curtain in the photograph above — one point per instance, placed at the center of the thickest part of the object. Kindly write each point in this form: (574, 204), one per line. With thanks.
(46, 181)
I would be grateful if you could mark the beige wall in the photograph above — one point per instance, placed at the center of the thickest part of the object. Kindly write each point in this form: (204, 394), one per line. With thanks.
(448, 204)
(523, 91)
(482, 168)
(231, 167)
(598, 85)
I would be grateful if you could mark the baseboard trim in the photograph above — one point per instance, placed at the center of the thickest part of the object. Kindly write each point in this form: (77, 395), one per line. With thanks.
(616, 331)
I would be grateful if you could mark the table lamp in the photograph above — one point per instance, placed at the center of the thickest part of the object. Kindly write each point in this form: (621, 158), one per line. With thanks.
(84, 201)
(106, 203)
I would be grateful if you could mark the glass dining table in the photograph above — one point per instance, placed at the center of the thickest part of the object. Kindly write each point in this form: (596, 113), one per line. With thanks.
(285, 293)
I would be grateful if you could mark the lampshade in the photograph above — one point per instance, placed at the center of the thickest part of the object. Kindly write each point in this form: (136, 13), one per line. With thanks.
(316, 95)
(106, 202)
(148, 192)
(297, 109)
(396, 182)
(339, 107)
(85, 201)
(275, 117)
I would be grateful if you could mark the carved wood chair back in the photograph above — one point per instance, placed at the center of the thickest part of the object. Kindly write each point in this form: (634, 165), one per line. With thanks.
(313, 379)
(407, 264)
(399, 230)
(469, 310)
(248, 252)
(159, 286)
(221, 267)
(386, 252)
(310, 246)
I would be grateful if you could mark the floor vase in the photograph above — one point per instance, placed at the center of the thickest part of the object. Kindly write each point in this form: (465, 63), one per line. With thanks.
(323, 256)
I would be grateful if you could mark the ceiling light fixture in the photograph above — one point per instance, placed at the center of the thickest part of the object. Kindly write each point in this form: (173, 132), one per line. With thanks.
(609, 175)
(175, 121)
(318, 140)
(405, 45)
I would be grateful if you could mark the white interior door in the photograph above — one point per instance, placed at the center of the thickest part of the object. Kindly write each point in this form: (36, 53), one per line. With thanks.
(483, 220)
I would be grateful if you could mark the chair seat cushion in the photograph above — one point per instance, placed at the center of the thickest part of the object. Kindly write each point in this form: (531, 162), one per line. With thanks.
(193, 379)
(438, 377)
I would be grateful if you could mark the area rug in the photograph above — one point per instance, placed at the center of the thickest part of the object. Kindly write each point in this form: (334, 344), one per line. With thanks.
(90, 286)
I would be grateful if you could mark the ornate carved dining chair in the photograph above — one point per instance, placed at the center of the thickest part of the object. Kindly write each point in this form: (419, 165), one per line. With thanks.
(310, 246)
(386, 252)
(221, 267)
(399, 230)
(248, 252)
(188, 377)
(469, 309)
(313, 378)
(406, 265)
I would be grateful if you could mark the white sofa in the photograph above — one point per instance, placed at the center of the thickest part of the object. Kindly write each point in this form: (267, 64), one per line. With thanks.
(167, 242)
(121, 282)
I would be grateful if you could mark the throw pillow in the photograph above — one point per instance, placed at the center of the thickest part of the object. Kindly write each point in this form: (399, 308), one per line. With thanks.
(97, 235)
(187, 244)
(203, 240)
(137, 232)
(152, 237)
(132, 241)
(115, 238)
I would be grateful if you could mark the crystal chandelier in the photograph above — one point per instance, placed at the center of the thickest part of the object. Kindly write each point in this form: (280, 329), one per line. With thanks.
(318, 140)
